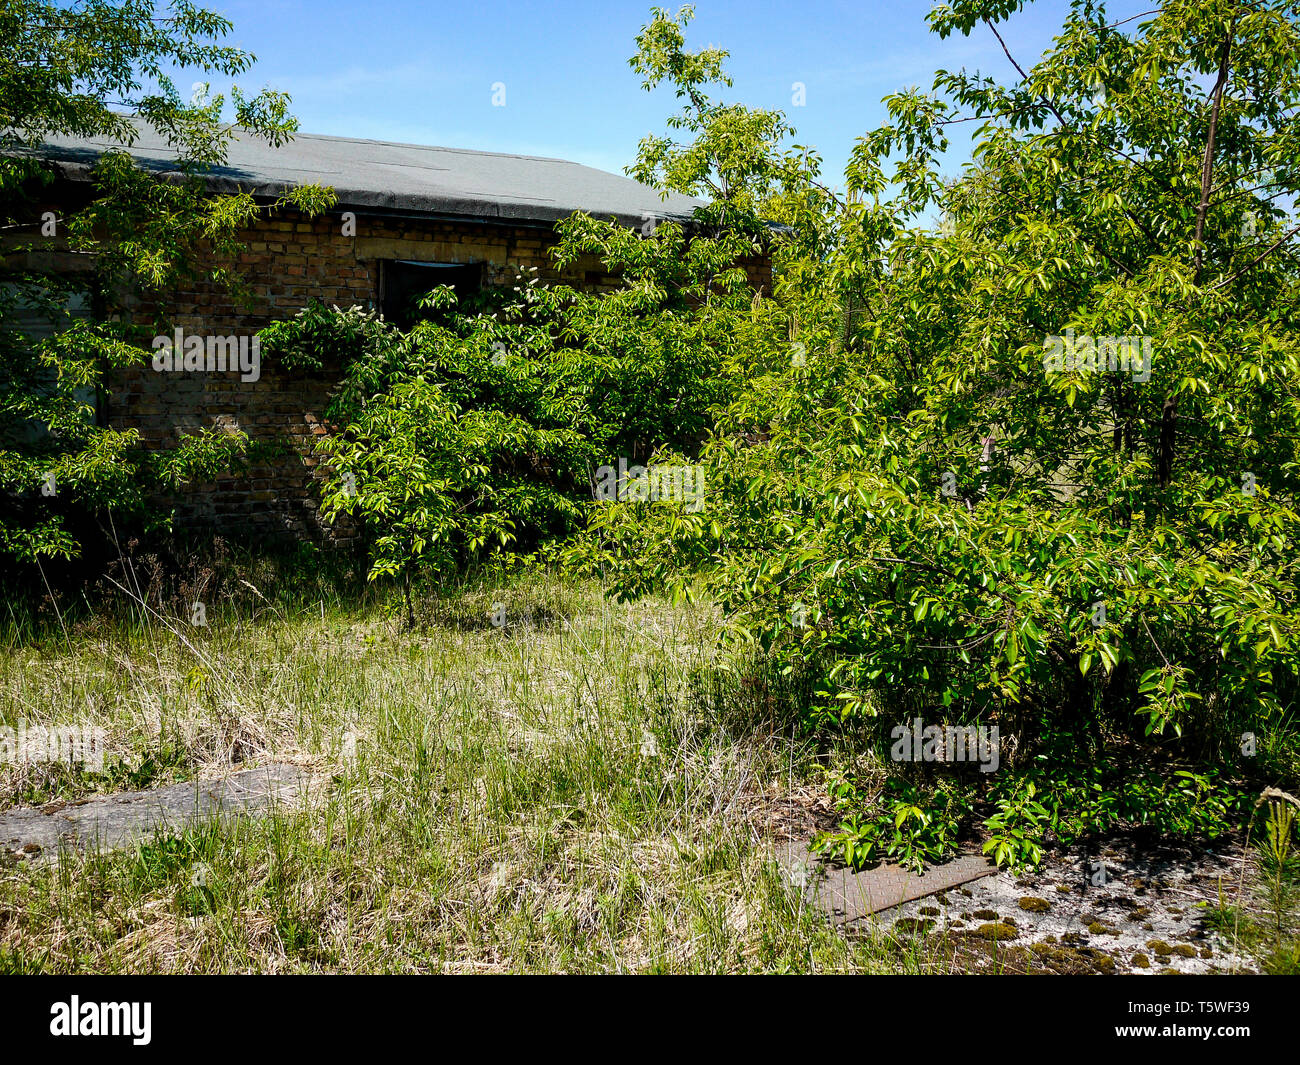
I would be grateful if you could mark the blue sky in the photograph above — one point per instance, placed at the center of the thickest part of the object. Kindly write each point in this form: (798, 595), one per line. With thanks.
(423, 73)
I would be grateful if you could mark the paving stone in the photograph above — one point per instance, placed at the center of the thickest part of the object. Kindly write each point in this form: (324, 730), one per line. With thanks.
(848, 896)
(117, 820)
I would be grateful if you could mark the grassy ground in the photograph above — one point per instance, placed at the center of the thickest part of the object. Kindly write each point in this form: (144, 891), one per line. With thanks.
(586, 788)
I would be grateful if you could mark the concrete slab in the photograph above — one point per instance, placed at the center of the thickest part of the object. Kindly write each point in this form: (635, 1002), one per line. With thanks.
(110, 821)
(848, 896)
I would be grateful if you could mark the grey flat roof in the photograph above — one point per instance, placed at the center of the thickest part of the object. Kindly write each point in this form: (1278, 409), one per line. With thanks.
(382, 175)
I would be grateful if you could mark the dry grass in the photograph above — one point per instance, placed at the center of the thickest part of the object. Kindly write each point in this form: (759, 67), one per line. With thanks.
(586, 789)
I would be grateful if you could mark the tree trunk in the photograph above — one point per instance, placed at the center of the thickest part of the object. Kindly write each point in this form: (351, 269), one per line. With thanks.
(1169, 413)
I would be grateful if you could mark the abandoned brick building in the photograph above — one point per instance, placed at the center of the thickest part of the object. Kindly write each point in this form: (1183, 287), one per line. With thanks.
(407, 218)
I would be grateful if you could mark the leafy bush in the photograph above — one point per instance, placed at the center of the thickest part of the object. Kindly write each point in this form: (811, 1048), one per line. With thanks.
(909, 493)
(914, 827)
(481, 430)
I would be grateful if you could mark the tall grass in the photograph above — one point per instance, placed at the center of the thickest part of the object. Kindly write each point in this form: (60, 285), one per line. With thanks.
(587, 787)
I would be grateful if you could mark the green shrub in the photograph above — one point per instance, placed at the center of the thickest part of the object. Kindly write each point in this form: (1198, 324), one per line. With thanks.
(911, 494)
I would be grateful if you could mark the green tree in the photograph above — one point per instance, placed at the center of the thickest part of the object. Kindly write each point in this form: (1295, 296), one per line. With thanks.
(951, 520)
(104, 69)
(475, 431)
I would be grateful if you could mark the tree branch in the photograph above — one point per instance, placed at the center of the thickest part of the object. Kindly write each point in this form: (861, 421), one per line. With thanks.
(1207, 165)
(1262, 255)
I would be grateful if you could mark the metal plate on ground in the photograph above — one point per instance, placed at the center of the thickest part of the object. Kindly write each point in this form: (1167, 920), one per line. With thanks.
(848, 896)
(117, 820)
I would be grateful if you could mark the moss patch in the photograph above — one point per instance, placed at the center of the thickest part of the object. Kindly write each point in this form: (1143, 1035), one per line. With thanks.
(996, 931)
(1068, 961)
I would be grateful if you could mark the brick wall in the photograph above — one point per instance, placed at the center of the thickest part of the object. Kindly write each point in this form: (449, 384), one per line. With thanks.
(290, 260)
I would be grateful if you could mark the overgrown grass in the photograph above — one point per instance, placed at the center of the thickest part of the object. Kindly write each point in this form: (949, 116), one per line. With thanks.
(1260, 915)
(585, 788)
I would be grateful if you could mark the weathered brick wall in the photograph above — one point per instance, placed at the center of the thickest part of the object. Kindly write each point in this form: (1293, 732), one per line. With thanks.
(289, 261)
(273, 497)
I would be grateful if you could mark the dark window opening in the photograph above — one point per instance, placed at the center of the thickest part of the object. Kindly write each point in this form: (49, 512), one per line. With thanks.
(403, 282)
